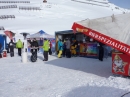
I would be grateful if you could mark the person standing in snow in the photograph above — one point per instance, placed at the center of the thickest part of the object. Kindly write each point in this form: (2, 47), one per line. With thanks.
(105, 51)
(68, 53)
(74, 47)
(34, 44)
(11, 47)
(50, 52)
(46, 49)
(60, 48)
(101, 52)
(19, 45)
(64, 48)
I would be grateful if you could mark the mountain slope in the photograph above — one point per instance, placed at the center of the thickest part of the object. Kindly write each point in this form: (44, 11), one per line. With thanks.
(54, 15)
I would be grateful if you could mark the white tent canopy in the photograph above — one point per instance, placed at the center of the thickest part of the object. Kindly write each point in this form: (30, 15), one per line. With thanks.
(113, 30)
(115, 26)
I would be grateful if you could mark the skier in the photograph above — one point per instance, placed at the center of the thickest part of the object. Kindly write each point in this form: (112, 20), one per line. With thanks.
(35, 47)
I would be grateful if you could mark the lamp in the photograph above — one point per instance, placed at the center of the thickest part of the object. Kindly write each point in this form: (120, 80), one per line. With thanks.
(25, 34)
(24, 53)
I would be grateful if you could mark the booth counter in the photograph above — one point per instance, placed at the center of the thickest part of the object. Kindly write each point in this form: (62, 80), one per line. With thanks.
(120, 63)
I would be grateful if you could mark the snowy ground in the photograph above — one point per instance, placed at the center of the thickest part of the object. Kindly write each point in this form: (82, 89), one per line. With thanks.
(74, 77)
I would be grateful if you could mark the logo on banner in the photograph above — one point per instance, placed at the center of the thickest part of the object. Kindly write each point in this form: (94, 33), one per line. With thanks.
(118, 64)
(81, 30)
(109, 41)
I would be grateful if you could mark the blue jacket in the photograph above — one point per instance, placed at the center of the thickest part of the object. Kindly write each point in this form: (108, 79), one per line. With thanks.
(60, 45)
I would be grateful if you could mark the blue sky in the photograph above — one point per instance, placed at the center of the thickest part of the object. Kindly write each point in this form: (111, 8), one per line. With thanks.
(121, 3)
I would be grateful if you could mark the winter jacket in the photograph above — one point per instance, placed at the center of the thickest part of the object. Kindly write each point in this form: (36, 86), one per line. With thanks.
(50, 44)
(67, 44)
(19, 44)
(11, 44)
(34, 44)
(46, 45)
(60, 45)
(64, 45)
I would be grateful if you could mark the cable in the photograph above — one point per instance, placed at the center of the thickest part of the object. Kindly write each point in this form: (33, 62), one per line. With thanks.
(125, 94)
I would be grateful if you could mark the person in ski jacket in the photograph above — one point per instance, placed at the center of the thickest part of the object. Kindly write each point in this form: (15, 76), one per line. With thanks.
(64, 48)
(60, 48)
(68, 53)
(11, 47)
(35, 46)
(74, 47)
(50, 44)
(19, 45)
(46, 49)
(101, 52)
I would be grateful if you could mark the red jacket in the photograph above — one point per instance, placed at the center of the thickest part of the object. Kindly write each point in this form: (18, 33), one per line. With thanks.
(50, 45)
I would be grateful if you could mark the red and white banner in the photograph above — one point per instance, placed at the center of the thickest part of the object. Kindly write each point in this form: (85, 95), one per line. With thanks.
(102, 38)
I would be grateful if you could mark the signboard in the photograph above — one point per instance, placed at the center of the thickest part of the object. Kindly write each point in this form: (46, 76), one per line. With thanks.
(92, 49)
(120, 64)
(88, 49)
